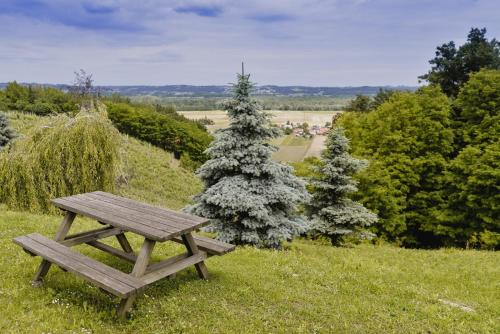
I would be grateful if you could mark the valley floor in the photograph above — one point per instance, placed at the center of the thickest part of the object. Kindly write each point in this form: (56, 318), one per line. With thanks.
(309, 287)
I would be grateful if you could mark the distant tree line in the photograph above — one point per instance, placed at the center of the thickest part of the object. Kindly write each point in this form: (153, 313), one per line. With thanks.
(301, 103)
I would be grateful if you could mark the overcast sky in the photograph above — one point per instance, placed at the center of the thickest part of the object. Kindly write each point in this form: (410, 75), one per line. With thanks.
(295, 42)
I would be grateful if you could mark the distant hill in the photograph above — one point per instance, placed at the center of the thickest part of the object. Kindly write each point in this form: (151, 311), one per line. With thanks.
(216, 91)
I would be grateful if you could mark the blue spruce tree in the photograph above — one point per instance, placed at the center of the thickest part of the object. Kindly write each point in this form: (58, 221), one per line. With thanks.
(6, 133)
(249, 198)
(333, 213)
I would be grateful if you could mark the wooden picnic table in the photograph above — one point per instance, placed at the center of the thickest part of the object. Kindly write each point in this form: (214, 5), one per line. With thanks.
(120, 215)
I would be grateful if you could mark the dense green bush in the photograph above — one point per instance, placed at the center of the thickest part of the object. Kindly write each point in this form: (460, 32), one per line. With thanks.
(173, 133)
(68, 156)
(37, 100)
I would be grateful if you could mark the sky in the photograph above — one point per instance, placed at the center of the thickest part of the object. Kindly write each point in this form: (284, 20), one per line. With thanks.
(203, 42)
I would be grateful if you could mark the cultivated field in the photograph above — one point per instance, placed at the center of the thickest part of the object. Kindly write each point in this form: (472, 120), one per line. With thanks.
(291, 148)
(279, 117)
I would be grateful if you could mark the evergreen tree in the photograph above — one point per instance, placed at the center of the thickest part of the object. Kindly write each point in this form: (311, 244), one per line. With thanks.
(6, 133)
(334, 214)
(249, 198)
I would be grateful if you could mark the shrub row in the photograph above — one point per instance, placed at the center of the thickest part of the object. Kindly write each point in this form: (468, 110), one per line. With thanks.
(165, 129)
(37, 100)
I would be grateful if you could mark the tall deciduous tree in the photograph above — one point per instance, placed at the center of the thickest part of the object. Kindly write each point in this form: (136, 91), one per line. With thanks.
(249, 198)
(334, 214)
(451, 67)
(473, 177)
(6, 133)
(408, 141)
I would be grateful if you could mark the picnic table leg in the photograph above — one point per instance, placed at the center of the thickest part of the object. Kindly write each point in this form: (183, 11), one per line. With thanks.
(60, 235)
(192, 249)
(122, 239)
(139, 269)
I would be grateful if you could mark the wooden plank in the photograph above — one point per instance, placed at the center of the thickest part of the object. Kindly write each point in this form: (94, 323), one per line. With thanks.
(101, 267)
(119, 206)
(138, 221)
(79, 268)
(209, 245)
(173, 268)
(192, 249)
(146, 231)
(165, 263)
(113, 251)
(117, 212)
(84, 237)
(162, 212)
(157, 222)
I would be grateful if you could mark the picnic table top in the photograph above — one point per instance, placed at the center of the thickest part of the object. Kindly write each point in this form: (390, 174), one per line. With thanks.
(147, 220)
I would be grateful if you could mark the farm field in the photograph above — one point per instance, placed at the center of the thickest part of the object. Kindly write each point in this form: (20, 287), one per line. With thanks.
(279, 117)
(291, 148)
(310, 287)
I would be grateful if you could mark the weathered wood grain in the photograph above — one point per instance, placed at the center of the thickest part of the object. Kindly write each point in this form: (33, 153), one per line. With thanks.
(209, 245)
(192, 249)
(108, 278)
(173, 268)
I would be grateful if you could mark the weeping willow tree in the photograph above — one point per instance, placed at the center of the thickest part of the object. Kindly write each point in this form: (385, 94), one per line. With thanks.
(249, 198)
(68, 156)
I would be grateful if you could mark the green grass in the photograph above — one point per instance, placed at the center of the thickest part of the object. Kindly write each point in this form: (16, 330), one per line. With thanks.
(309, 287)
(291, 148)
(152, 175)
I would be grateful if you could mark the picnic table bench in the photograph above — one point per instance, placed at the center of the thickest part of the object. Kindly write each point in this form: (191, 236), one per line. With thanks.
(120, 215)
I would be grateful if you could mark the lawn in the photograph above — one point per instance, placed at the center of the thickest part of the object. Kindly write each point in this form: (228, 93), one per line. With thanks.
(309, 287)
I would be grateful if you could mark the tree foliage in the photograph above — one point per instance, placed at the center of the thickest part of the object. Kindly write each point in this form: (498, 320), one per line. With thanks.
(6, 132)
(37, 100)
(361, 103)
(333, 213)
(408, 141)
(451, 67)
(473, 178)
(167, 130)
(249, 198)
(66, 157)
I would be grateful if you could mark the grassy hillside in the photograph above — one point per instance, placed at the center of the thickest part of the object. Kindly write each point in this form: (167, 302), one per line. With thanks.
(147, 173)
(308, 288)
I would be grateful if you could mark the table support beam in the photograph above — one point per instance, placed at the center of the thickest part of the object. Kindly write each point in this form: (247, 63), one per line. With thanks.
(123, 241)
(63, 230)
(192, 249)
(139, 269)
